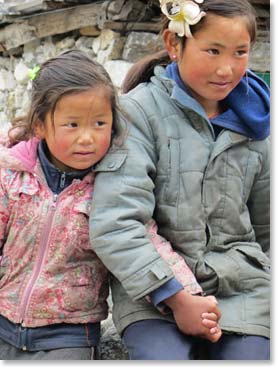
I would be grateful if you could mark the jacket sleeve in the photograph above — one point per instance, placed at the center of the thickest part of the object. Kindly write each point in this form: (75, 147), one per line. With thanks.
(4, 215)
(179, 267)
(123, 203)
(259, 201)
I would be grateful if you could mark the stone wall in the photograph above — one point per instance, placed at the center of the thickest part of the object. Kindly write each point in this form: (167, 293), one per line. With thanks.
(115, 52)
(114, 38)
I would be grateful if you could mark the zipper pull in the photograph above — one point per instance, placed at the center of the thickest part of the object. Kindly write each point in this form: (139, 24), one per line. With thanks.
(54, 204)
(62, 181)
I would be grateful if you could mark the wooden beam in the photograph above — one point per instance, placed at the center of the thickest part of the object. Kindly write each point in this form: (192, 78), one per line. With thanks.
(132, 26)
(28, 28)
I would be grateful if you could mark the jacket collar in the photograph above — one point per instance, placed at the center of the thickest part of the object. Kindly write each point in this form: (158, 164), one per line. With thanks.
(56, 179)
(248, 105)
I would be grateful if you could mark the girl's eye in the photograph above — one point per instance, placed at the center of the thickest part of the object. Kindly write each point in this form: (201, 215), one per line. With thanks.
(213, 51)
(100, 123)
(241, 52)
(72, 124)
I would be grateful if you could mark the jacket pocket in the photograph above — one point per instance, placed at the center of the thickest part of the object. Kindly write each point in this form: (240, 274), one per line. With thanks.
(256, 259)
(237, 266)
(172, 184)
(227, 271)
(79, 290)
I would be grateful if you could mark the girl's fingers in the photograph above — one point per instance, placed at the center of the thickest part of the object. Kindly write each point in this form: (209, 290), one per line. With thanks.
(214, 330)
(209, 316)
(209, 324)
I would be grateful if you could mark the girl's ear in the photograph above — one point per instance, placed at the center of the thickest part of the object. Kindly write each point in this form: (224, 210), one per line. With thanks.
(171, 44)
(39, 130)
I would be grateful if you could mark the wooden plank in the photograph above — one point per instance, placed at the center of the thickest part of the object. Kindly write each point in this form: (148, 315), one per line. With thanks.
(28, 28)
(132, 26)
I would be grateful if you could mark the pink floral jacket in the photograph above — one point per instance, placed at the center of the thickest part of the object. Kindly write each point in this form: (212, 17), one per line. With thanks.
(48, 271)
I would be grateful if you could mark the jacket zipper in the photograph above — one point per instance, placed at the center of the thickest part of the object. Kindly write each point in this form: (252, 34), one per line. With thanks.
(169, 170)
(42, 252)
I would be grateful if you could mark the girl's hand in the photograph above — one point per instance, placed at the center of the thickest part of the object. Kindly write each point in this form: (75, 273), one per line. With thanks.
(188, 311)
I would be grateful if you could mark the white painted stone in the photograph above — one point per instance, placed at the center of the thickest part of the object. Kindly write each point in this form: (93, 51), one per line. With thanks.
(7, 81)
(117, 70)
(21, 73)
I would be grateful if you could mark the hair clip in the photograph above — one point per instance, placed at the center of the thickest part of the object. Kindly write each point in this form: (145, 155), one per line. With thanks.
(182, 14)
(33, 72)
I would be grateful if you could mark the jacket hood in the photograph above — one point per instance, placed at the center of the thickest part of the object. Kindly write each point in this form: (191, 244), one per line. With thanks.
(26, 152)
(21, 156)
(248, 105)
(249, 108)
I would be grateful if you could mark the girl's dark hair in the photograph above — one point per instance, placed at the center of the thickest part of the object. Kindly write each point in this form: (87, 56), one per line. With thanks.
(69, 73)
(142, 70)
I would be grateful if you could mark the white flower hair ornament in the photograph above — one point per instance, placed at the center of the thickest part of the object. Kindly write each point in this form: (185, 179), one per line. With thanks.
(182, 14)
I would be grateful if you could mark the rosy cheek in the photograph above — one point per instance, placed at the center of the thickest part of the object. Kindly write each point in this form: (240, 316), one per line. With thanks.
(104, 145)
(194, 78)
(62, 147)
(242, 70)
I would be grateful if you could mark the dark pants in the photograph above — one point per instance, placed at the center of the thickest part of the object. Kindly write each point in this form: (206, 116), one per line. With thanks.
(161, 340)
(9, 352)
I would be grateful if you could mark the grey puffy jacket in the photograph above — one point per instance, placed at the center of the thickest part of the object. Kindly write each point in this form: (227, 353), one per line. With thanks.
(210, 198)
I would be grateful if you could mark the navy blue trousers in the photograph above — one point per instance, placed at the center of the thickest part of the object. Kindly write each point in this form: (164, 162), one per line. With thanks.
(161, 340)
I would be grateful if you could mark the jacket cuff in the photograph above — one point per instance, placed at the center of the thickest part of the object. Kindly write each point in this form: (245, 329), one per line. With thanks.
(167, 290)
(146, 280)
(159, 295)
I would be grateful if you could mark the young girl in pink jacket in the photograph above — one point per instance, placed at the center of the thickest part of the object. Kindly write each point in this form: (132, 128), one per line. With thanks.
(53, 287)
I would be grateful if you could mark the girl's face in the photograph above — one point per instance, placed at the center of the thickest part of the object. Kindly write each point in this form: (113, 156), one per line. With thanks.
(81, 133)
(215, 59)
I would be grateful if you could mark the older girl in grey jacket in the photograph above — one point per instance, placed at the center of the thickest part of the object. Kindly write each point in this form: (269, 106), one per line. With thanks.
(197, 160)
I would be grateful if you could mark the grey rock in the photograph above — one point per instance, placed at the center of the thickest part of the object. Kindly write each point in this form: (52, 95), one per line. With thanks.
(111, 346)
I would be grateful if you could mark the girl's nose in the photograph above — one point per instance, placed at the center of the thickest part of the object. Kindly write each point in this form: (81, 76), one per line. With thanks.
(86, 137)
(224, 70)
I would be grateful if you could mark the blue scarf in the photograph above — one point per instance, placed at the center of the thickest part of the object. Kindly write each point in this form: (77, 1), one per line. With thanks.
(248, 105)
